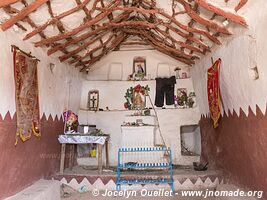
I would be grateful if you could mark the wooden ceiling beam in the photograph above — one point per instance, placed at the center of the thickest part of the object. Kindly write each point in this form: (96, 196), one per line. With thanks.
(161, 12)
(74, 31)
(22, 14)
(116, 42)
(195, 16)
(4, 3)
(55, 20)
(240, 4)
(133, 9)
(233, 17)
(159, 44)
(182, 44)
(85, 9)
(189, 37)
(134, 43)
(92, 51)
(142, 24)
(82, 47)
(87, 35)
(27, 19)
(188, 62)
(191, 29)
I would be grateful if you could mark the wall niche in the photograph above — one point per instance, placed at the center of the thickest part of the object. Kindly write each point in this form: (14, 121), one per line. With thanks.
(190, 140)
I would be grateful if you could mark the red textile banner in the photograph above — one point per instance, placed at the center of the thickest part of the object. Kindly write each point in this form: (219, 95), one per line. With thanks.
(213, 88)
(27, 101)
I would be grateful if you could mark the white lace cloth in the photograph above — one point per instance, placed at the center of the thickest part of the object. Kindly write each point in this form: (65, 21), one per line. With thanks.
(81, 139)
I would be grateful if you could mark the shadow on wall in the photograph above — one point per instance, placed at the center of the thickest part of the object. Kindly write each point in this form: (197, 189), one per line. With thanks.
(26, 163)
(238, 147)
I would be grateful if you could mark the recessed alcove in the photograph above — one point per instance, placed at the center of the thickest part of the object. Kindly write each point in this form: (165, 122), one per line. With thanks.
(190, 140)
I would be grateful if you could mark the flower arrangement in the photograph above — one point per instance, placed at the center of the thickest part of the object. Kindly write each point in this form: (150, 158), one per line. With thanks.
(129, 95)
(70, 119)
(184, 100)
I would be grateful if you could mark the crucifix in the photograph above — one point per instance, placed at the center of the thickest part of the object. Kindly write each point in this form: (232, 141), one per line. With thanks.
(93, 100)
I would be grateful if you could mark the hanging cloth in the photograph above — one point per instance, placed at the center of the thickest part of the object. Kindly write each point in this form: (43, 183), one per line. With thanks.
(27, 100)
(213, 87)
(165, 88)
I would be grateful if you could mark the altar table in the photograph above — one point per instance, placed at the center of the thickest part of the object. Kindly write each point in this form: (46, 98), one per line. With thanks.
(73, 139)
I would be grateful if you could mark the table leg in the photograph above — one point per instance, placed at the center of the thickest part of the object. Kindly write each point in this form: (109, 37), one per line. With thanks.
(100, 163)
(62, 158)
(107, 155)
(71, 156)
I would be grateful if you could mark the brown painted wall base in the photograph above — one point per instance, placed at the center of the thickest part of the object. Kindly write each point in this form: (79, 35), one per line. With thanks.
(238, 147)
(26, 163)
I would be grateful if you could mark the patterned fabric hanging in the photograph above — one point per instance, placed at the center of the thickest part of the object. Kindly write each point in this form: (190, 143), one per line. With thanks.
(27, 101)
(214, 92)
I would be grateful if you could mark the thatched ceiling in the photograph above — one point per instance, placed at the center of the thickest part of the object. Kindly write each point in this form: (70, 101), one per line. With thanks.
(84, 31)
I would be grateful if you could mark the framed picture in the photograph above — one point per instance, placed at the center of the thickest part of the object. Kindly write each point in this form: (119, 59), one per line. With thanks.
(139, 101)
(139, 67)
(93, 100)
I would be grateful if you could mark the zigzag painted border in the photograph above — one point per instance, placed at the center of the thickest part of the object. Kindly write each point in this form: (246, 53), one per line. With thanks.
(8, 117)
(109, 183)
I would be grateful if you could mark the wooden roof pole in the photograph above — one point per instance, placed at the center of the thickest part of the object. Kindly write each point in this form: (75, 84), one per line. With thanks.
(195, 16)
(116, 42)
(184, 27)
(4, 3)
(112, 24)
(86, 35)
(182, 44)
(191, 29)
(74, 31)
(82, 47)
(158, 43)
(240, 4)
(188, 62)
(233, 17)
(92, 51)
(55, 20)
(22, 14)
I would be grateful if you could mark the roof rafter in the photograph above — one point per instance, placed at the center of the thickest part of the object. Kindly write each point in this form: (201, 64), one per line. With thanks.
(82, 47)
(117, 41)
(182, 56)
(55, 20)
(240, 4)
(201, 20)
(183, 33)
(22, 14)
(4, 3)
(86, 35)
(92, 51)
(235, 18)
(74, 31)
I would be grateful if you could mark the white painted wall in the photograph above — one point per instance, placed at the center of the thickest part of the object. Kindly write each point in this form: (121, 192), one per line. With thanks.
(53, 88)
(170, 122)
(111, 93)
(112, 96)
(100, 70)
(244, 51)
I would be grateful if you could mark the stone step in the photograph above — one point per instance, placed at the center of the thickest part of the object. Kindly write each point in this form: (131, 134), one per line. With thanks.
(183, 180)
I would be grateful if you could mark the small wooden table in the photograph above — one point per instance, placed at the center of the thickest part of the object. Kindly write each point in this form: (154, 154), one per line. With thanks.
(83, 139)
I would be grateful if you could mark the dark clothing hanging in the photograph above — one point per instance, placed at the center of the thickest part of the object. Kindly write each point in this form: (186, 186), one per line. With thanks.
(165, 87)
